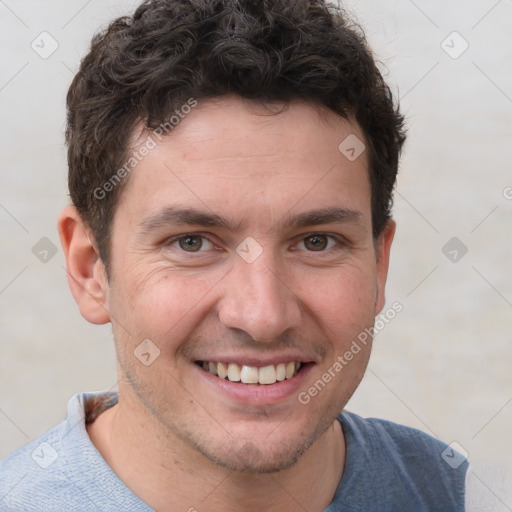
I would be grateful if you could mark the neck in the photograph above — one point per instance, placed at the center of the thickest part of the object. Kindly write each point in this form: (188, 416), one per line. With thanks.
(170, 475)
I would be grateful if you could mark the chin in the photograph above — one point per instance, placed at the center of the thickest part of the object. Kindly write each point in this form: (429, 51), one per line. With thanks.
(250, 458)
(259, 454)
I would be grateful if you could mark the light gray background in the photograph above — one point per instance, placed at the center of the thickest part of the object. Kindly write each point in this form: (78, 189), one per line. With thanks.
(443, 364)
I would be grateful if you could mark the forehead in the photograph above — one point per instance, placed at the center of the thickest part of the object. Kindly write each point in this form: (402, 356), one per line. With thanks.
(242, 157)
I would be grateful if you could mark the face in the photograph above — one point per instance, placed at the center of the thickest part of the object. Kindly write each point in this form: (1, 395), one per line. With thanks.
(242, 245)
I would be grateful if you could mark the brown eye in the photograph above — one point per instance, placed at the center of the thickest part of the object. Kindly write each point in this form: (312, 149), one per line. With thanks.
(316, 242)
(191, 243)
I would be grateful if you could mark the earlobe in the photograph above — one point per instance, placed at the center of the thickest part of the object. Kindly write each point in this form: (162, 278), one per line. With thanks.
(383, 250)
(86, 273)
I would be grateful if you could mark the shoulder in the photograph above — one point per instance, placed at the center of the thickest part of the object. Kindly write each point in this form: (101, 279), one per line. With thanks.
(392, 438)
(29, 476)
(409, 468)
(62, 470)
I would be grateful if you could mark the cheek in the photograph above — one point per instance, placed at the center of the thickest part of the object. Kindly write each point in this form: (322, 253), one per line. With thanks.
(343, 298)
(162, 304)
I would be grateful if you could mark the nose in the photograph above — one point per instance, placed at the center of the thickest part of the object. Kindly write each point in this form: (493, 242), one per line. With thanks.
(259, 301)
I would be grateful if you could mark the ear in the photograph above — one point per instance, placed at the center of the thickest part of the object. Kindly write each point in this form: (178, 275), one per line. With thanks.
(383, 249)
(86, 273)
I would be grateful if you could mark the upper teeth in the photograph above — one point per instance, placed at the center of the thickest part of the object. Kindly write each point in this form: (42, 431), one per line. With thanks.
(253, 374)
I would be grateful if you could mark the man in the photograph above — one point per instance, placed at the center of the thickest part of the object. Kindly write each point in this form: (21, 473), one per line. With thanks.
(231, 167)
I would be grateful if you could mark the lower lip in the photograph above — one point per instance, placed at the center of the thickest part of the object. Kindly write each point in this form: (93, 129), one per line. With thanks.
(258, 394)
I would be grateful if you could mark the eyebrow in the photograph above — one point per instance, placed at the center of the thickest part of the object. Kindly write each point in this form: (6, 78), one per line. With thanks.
(334, 215)
(176, 216)
(184, 216)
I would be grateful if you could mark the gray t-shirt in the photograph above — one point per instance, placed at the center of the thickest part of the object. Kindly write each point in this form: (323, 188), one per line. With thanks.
(388, 468)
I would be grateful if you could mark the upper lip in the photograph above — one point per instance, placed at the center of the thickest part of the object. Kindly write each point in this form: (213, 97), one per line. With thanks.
(258, 361)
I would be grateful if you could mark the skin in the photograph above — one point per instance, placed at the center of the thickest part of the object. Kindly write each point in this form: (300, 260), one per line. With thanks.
(175, 438)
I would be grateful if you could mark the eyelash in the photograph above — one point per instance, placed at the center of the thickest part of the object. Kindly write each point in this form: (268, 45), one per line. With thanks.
(177, 239)
(337, 239)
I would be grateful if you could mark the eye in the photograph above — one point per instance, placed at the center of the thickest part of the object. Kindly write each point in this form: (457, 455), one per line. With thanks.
(317, 242)
(193, 243)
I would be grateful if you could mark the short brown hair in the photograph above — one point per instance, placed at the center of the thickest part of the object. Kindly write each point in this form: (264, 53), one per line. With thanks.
(142, 68)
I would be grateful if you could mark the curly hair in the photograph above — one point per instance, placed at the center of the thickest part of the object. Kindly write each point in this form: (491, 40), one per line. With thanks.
(143, 67)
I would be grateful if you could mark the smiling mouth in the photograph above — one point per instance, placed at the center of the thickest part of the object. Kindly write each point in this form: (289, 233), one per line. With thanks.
(265, 375)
